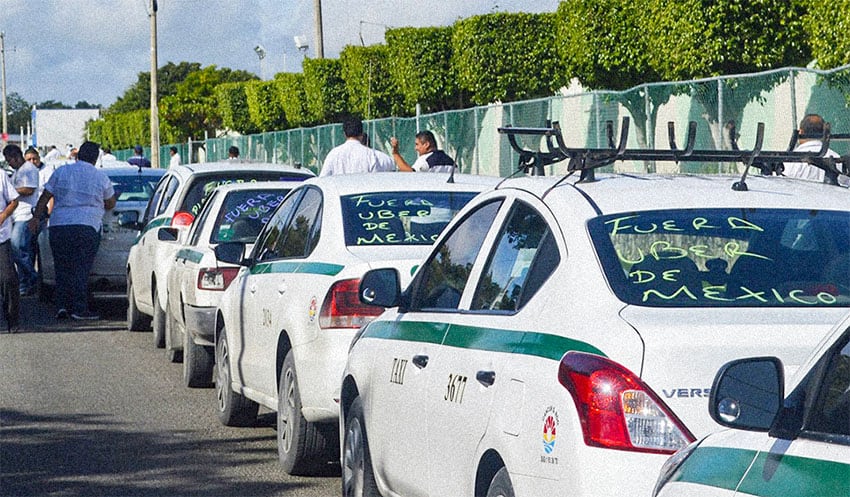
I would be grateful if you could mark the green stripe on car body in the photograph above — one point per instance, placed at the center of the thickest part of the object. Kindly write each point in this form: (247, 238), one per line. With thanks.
(475, 338)
(190, 255)
(156, 223)
(771, 475)
(297, 267)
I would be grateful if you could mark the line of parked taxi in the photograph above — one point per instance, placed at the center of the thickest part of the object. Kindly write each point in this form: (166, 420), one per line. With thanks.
(436, 334)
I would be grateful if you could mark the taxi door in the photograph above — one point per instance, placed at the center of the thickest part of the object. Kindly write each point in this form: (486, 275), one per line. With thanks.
(471, 366)
(271, 282)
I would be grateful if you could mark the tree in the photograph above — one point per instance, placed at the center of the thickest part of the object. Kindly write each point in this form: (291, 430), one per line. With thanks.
(420, 66)
(18, 112)
(138, 96)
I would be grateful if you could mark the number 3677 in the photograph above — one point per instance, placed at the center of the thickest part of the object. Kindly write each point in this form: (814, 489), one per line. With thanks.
(455, 388)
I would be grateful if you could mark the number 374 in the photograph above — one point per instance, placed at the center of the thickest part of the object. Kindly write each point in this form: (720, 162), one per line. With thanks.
(455, 388)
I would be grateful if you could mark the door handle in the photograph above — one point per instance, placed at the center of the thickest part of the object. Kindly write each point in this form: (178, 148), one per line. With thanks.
(420, 361)
(486, 378)
(281, 289)
(253, 289)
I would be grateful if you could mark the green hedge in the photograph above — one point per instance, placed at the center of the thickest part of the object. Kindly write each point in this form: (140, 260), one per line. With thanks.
(325, 90)
(121, 130)
(293, 99)
(233, 107)
(420, 66)
(371, 91)
(264, 105)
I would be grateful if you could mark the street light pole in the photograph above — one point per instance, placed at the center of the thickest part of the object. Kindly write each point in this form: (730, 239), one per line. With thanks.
(154, 91)
(5, 137)
(320, 44)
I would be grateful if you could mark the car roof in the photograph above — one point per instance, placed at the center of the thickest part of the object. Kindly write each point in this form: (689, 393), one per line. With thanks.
(630, 192)
(228, 166)
(348, 184)
(125, 169)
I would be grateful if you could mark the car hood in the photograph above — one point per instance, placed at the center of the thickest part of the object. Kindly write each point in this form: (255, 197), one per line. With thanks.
(684, 348)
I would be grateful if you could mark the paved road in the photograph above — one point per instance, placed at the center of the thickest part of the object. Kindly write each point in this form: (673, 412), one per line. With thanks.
(88, 409)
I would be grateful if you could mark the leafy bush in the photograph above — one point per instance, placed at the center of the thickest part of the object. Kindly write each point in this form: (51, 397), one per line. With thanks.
(371, 91)
(325, 90)
(420, 66)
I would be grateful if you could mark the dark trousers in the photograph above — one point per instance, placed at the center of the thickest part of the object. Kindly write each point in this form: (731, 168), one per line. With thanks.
(9, 292)
(74, 247)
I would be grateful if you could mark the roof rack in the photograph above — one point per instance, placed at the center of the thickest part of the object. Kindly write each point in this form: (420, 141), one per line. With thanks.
(586, 160)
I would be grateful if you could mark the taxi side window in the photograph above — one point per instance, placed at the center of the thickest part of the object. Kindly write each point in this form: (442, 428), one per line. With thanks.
(831, 412)
(442, 280)
(197, 225)
(299, 234)
(524, 256)
(150, 211)
(270, 241)
(170, 190)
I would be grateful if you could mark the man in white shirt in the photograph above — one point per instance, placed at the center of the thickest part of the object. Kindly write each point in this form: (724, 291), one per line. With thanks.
(353, 156)
(9, 295)
(175, 157)
(26, 183)
(811, 125)
(430, 159)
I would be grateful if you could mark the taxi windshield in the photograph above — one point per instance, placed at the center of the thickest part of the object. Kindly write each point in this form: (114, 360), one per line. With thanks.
(134, 188)
(399, 218)
(726, 257)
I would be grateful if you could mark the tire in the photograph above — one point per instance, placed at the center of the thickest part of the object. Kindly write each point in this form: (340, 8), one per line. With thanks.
(500, 485)
(158, 322)
(198, 363)
(136, 321)
(233, 408)
(303, 448)
(358, 478)
(171, 351)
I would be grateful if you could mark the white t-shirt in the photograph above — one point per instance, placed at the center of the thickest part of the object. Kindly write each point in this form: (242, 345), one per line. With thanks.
(421, 165)
(25, 176)
(801, 170)
(7, 195)
(175, 160)
(78, 190)
(353, 157)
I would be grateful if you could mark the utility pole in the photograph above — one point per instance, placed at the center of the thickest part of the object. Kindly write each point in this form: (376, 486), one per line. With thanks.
(154, 90)
(320, 44)
(5, 137)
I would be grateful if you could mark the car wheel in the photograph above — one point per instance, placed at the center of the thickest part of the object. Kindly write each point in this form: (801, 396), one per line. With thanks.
(198, 363)
(358, 479)
(158, 322)
(303, 448)
(136, 321)
(500, 485)
(233, 408)
(171, 351)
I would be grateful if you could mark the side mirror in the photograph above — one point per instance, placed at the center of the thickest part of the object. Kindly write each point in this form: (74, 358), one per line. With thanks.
(231, 252)
(748, 393)
(167, 234)
(380, 287)
(129, 219)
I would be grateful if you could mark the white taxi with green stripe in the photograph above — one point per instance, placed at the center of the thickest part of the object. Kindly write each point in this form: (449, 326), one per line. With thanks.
(791, 446)
(562, 337)
(285, 323)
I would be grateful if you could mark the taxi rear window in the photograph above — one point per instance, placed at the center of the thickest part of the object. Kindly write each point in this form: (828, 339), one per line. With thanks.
(244, 213)
(399, 218)
(202, 185)
(726, 257)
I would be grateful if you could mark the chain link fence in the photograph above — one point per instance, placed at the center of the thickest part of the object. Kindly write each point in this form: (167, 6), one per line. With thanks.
(778, 98)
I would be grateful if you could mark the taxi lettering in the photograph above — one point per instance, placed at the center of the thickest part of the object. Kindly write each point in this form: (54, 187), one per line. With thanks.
(397, 374)
(455, 388)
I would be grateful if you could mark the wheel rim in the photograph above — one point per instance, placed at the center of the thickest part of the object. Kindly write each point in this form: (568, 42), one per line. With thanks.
(353, 457)
(223, 383)
(287, 414)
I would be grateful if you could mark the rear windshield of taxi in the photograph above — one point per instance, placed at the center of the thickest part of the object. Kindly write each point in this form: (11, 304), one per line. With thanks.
(726, 257)
(135, 187)
(244, 213)
(399, 218)
(202, 185)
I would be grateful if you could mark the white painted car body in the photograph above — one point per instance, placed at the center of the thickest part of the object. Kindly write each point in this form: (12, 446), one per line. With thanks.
(449, 392)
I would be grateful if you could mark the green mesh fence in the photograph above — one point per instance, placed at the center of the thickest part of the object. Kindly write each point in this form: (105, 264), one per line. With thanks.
(778, 98)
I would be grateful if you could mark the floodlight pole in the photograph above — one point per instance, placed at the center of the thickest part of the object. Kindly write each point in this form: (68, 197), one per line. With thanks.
(320, 44)
(154, 90)
(5, 135)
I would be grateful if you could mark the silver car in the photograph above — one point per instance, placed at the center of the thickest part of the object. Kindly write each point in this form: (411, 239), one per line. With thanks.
(133, 188)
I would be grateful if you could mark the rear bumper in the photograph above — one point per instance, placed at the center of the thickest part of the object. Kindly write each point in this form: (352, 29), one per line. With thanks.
(200, 324)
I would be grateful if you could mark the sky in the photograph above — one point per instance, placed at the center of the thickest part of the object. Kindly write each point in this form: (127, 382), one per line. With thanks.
(93, 50)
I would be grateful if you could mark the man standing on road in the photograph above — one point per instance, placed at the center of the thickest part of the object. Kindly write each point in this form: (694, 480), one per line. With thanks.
(430, 159)
(353, 156)
(81, 193)
(25, 181)
(9, 295)
(139, 159)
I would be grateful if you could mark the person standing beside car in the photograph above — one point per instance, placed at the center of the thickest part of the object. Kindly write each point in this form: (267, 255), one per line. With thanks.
(44, 173)
(139, 159)
(25, 181)
(9, 295)
(430, 159)
(353, 156)
(81, 194)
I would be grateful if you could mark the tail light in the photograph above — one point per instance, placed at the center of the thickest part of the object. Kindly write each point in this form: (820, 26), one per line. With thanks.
(182, 218)
(216, 278)
(342, 308)
(617, 409)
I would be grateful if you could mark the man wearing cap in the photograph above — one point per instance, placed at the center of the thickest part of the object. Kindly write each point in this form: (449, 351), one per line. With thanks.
(81, 194)
(139, 159)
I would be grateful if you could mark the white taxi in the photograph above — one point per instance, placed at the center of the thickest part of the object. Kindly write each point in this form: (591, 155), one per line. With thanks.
(286, 320)
(235, 212)
(178, 198)
(562, 337)
(792, 446)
